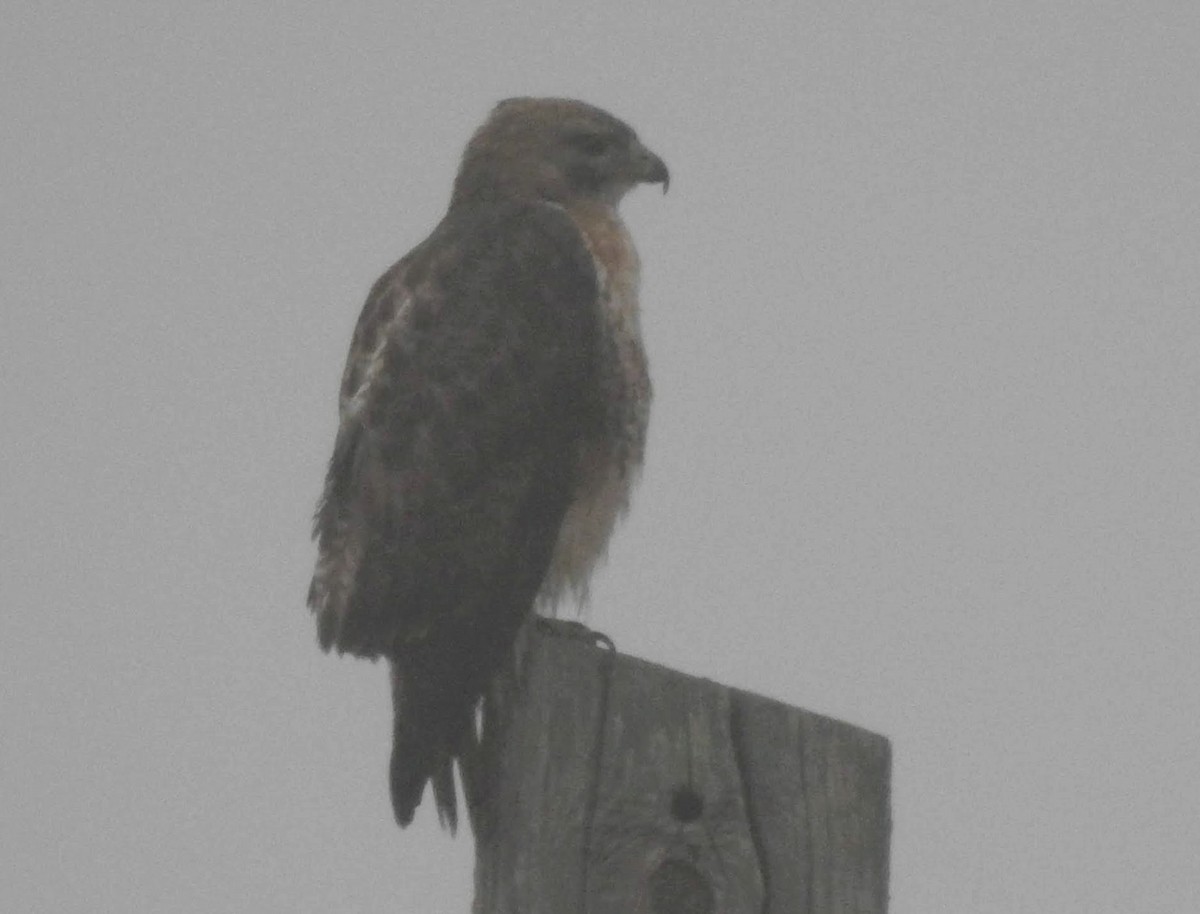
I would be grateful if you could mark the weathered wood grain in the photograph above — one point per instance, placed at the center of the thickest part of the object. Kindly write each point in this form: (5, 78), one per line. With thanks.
(621, 786)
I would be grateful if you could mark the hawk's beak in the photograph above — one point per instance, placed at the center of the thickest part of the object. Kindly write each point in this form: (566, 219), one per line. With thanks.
(651, 169)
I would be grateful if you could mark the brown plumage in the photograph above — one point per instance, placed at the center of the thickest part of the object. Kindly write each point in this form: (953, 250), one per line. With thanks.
(493, 418)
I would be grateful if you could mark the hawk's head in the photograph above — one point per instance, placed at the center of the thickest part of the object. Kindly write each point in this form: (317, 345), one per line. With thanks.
(554, 149)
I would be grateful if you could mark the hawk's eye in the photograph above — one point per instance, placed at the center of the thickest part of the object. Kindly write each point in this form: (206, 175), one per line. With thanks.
(590, 144)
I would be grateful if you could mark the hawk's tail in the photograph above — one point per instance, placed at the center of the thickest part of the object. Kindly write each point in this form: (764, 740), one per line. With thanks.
(430, 732)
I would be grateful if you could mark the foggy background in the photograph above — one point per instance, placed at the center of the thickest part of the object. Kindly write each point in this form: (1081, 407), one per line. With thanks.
(921, 310)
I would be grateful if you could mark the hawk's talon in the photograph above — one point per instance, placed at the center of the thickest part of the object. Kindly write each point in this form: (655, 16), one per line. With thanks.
(568, 628)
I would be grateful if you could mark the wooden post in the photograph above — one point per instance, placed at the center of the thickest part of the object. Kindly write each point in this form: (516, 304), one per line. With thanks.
(621, 787)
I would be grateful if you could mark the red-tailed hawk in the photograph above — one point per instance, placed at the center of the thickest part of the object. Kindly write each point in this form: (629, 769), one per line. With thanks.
(493, 419)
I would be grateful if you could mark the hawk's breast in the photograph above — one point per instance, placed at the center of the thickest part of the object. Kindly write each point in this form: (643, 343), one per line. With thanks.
(606, 465)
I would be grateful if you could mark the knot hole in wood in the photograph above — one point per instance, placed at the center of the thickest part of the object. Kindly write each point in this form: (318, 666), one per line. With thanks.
(686, 804)
(677, 887)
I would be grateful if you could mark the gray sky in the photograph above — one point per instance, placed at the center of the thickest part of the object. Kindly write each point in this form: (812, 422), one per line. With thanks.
(921, 309)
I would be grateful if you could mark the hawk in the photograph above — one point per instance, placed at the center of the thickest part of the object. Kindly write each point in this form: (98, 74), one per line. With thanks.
(493, 414)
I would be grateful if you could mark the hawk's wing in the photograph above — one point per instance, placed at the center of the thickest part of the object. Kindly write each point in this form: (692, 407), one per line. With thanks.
(471, 378)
